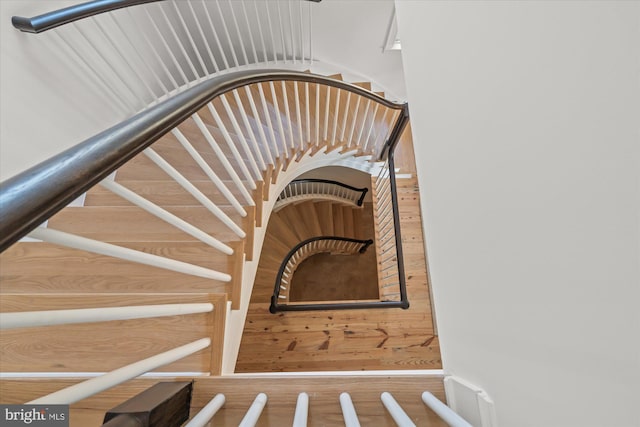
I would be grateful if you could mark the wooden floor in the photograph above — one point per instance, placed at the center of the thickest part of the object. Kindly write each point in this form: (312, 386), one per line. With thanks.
(374, 339)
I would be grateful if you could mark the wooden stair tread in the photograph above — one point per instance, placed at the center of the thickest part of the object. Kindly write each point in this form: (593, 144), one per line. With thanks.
(162, 193)
(130, 223)
(45, 267)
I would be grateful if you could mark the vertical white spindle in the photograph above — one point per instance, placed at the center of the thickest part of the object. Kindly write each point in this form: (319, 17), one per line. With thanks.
(165, 215)
(95, 246)
(354, 121)
(307, 110)
(310, 34)
(443, 411)
(249, 129)
(371, 126)
(348, 411)
(302, 410)
(253, 414)
(346, 113)
(273, 40)
(220, 185)
(278, 114)
(32, 319)
(124, 59)
(258, 20)
(249, 26)
(293, 37)
(156, 55)
(222, 158)
(267, 115)
(301, 28)
(243, 50)
(364, 123)
(288, 113)
(227, 34)
(241, 138)
(397, 413)
(298, 115)
(225, 61)
(204, 39)
(256, 117)
(87, 388)
(138, 101)
(139, 54)
(166, 46)
(317, 114)
(326, 114)
(193, 45)
(203, 417)
(102, 84)
(335, 117)
(281, 22)
(193, 190)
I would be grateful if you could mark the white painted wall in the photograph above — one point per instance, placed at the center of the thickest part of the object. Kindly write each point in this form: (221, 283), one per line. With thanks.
(46, 105)
(525, 118)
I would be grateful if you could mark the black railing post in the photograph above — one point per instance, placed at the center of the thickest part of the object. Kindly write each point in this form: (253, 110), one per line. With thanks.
(366, 244)
(361, 199)
(394, 137)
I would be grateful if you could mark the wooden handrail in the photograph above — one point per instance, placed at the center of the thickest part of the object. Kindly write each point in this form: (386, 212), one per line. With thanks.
(57, 18)
(33, 196)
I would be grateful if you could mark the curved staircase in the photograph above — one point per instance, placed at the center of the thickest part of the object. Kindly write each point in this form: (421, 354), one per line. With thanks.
(220, 171)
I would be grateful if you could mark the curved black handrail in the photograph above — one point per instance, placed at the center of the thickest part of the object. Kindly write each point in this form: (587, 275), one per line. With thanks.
(275, 307)
(57, 18)
(33, 196)
(363, 190)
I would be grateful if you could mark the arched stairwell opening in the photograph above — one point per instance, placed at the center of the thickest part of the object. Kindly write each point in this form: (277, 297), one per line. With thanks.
(179, 223)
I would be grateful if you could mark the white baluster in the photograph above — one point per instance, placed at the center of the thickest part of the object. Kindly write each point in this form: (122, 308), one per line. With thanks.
(397, 413)
(226, 33)
(443, 411)
(156, 55)
(249, 26)
(203, 417)
(192, 43)
(32, 319)
(82, 243)
(256, 117)
(348, 411)
(87, 388)
(220, 185)
(243, 50)
(215, 36)
(251, 417)
(205, 40)
(175, 61)
(302, 410)
(165, 215)
(194, 191)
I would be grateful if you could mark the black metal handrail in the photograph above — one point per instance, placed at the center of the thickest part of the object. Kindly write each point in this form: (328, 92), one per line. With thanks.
(57, 18)
(388, 151)
(33, 196)
(275, 307)
(363, 190)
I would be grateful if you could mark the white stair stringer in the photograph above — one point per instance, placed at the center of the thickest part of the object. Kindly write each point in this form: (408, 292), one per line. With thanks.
(235, 319)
